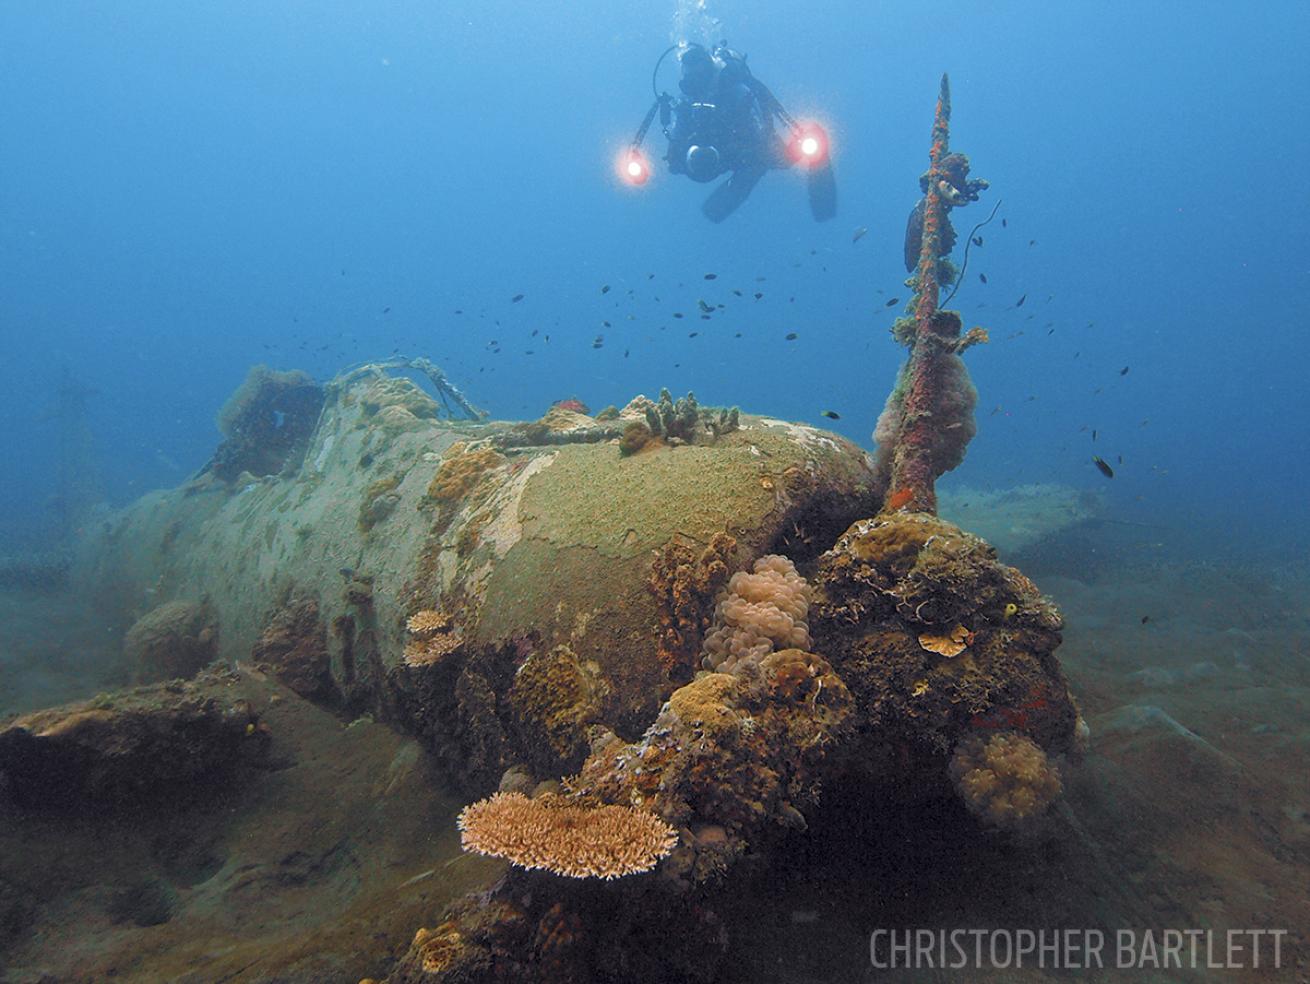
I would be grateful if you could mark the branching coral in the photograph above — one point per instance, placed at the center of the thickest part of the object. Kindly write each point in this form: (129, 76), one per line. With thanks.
(431, 638)
(553, 834)
(757, 613)
(1006, 781)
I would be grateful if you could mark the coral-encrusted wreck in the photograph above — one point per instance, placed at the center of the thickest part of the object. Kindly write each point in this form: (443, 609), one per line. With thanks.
(686, 623)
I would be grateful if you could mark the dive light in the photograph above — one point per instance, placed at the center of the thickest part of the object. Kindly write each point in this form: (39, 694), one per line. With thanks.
(809, 144)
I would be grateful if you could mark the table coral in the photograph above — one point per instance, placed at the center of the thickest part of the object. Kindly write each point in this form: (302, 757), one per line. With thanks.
(555, 835)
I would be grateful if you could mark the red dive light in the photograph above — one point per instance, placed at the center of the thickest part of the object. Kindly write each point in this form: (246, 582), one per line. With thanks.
(634, 169)
(809, 144)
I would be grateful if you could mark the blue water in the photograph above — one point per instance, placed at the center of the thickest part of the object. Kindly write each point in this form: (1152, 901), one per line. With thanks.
(188, 189)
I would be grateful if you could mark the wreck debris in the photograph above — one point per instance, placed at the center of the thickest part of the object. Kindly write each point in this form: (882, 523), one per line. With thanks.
(176, 639)
(447, 392)
(928, 420)
(266, 424)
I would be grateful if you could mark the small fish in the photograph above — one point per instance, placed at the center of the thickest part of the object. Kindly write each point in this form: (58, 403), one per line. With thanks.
(386, 310)
(692, 334)
(607, 324)
(1032, 242)
(758, 295)
(859, 234)
(1123, 371)
(977, 240)
(650, 276)
(1101, 464)
(1145, 619)
(605, 288)
(792, 336)
(982, 277)
(347, 572)
(711, 276)
(678, 314)
(892, 302)
(737, 292)
(831, 414)
(516, 298)
(1004, 224)
(1093, 435)
(1019, 302)
(707, 308)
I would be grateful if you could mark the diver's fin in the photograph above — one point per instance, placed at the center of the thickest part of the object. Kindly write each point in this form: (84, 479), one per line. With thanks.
(725, 199)
(822, 189)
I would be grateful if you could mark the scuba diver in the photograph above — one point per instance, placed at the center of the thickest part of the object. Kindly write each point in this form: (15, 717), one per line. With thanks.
(724, 124)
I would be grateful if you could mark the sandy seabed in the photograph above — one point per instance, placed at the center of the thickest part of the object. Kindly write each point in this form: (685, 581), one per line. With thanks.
(1191, 811)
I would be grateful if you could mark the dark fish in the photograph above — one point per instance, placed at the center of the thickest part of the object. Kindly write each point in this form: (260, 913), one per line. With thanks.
(1123, 371)
(737, 335)
(737, 292)
(707, 308)
(832, 414)
(1104, 468)
(1093, 435)
(792, 336)
(677, 314)
(692, 334)
(982, 277)
(711, 276)
(346, 572)
(1019, 302)
(977, 240)
(758, 295)
(607, 324)
(1145, 619)
(914, 235)
(650, 276)
(1004, 224)
(386, 310)
(516, 298)
(534, 332)
(859, 234)
(459, 310)
(1032, 242)
(1121, 459)
(892, 302)
(605, 289)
